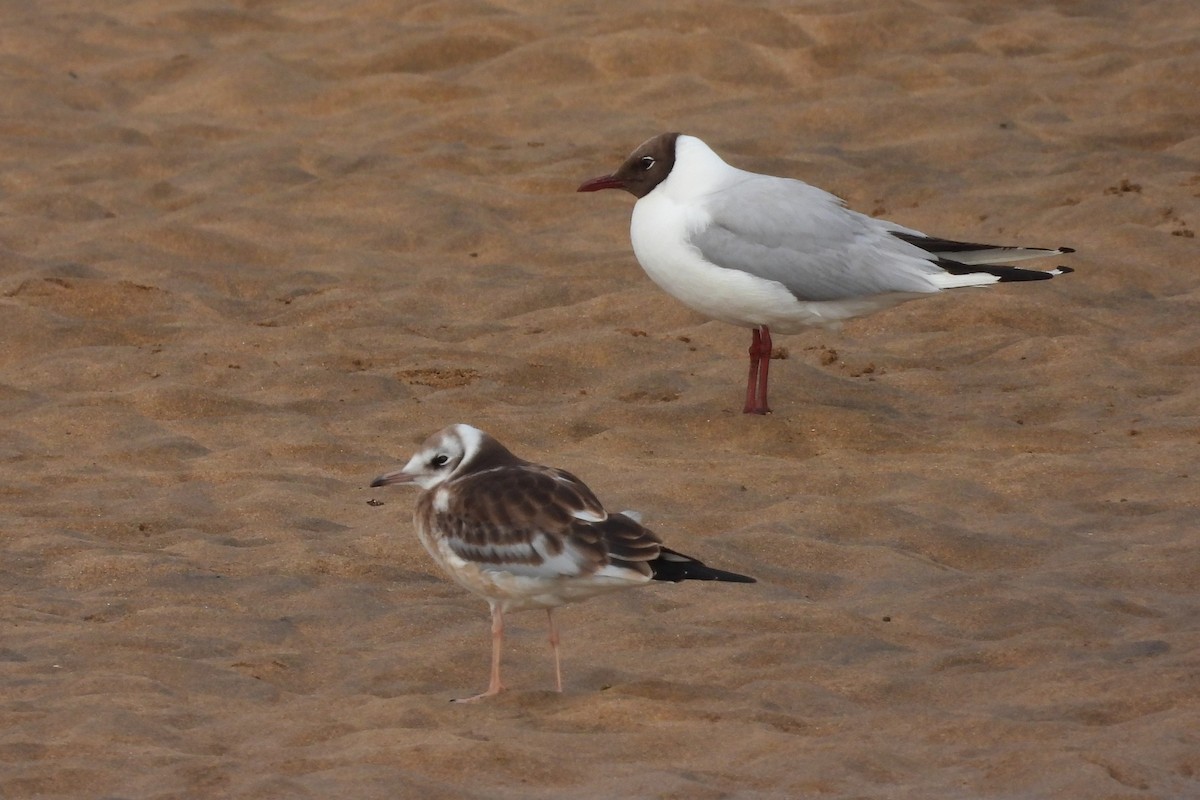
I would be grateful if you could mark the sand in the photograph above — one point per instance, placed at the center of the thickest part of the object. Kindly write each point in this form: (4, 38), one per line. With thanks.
(253, 252)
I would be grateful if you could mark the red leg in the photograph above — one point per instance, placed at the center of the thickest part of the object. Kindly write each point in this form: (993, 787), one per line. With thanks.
(764, 366)
(751, 406)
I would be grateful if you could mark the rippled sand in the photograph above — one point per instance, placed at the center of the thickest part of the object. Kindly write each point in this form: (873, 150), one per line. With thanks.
(253, 252)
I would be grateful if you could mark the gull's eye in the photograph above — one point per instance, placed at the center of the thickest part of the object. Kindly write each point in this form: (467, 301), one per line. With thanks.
(647, 162)
(440, 460)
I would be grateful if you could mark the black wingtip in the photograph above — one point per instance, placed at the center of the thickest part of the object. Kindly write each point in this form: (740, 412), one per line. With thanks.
(674, 567)
(1066, 249)
(707, 573)
(1064, 270)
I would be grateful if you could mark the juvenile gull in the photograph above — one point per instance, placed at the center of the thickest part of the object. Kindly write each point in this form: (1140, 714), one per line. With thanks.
(771, 253)
(526, 536)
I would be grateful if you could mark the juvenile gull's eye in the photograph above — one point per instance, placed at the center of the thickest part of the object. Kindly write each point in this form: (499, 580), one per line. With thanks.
(440, 460)
(647, 162)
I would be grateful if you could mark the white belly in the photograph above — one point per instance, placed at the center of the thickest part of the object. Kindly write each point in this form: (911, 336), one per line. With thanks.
(519, 592)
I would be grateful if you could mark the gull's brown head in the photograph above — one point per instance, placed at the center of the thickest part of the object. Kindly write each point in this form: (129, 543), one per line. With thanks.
(647, 167)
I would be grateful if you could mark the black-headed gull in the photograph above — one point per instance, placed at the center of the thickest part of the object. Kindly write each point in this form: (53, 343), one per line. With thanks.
(526, 536)
(777, 254)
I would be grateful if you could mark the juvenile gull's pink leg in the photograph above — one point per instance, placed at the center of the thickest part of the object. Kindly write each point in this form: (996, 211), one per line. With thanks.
(554, 647)
(494, 685)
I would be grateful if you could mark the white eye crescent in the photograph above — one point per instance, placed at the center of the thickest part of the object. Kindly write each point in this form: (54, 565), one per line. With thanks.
(647, 162)
(440, 460)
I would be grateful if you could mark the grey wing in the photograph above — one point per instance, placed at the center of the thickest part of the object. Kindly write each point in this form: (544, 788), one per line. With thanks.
(806, 239)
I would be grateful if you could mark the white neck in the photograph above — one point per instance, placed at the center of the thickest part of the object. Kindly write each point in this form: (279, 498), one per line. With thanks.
(697, 170)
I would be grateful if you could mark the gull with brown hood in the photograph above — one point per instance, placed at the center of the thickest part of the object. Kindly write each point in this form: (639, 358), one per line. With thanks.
(525, 536)
(776, 254)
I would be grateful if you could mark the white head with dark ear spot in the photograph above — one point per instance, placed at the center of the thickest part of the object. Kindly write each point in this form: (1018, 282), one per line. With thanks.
(443, 455)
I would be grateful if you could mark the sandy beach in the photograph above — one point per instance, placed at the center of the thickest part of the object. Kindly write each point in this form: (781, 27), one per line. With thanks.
(252, 253)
